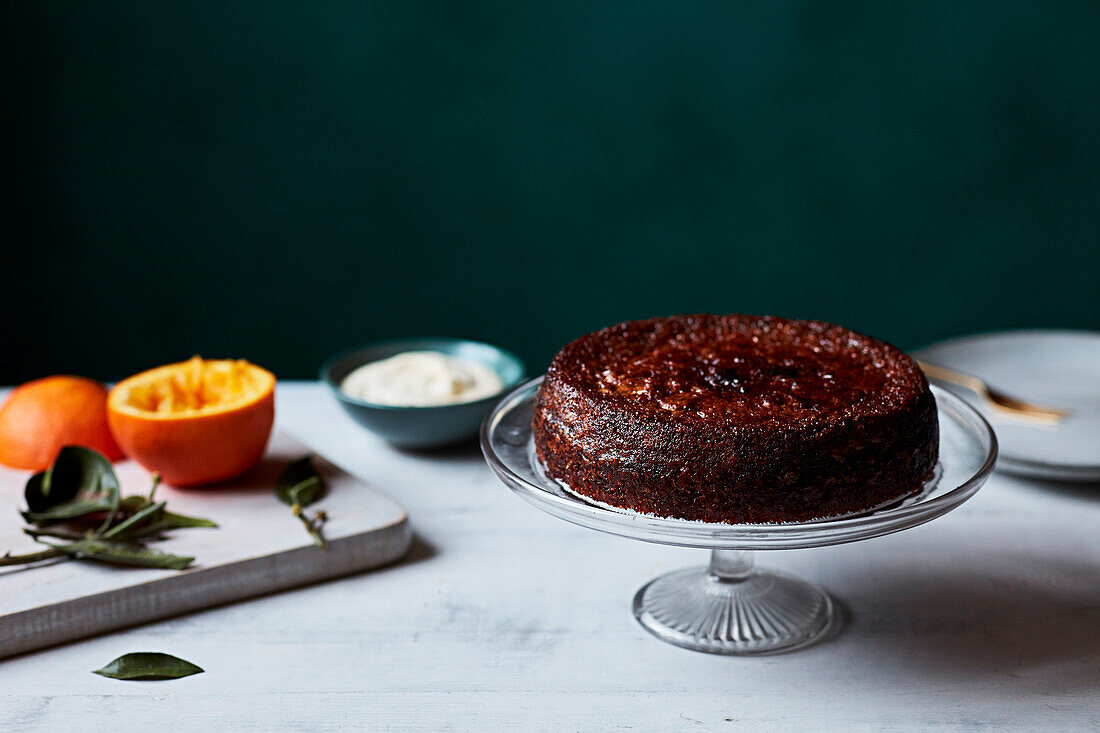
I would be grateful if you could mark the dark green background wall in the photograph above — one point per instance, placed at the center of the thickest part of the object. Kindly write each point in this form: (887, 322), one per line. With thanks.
(280, 180)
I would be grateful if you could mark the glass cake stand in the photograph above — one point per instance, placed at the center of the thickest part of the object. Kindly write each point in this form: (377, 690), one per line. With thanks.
(729, 607)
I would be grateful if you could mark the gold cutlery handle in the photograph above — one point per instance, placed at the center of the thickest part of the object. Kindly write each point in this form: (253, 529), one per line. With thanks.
(950, 375)
(1001, 402)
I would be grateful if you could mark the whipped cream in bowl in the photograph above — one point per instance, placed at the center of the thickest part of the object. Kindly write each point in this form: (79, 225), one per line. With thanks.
(422, 393)
(422, 379)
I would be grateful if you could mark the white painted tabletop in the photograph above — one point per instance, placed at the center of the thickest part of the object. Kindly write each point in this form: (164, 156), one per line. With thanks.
(504, 618)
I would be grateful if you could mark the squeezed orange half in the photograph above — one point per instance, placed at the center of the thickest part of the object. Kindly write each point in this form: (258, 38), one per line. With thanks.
(195, 422)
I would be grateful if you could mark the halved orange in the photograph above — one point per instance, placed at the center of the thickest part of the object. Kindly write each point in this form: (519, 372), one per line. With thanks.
(41, 416)
(195, 422)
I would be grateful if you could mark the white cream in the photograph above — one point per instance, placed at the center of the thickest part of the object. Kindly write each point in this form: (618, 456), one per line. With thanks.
(421, 379)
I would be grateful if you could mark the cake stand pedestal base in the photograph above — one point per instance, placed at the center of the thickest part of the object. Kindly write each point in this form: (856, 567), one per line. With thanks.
(731, 608)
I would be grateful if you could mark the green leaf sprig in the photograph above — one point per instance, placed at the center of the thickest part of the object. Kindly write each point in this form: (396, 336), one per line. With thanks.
(148, 666)
(78, 500)
(299, 486)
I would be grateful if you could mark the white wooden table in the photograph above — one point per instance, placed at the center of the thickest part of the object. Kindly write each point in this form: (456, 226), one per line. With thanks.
(506, 618)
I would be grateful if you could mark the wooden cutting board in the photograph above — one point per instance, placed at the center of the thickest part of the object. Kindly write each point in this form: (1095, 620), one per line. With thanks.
(259, 547)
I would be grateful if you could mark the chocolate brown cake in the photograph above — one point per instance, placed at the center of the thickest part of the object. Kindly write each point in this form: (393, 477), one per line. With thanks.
(741, 419)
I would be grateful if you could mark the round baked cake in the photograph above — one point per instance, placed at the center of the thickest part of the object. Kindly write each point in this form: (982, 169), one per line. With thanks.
(741, 419)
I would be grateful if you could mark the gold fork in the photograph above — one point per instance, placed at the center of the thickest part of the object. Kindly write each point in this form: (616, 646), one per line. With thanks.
(999, 401)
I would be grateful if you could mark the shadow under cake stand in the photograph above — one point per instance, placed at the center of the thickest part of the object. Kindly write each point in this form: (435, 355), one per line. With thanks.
(730, 607)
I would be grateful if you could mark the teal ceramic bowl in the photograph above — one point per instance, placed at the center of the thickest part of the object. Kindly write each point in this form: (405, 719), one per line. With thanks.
(422, 427)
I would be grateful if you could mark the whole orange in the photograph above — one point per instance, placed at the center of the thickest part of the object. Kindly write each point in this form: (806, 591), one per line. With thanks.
(195, 422)
(41, 416)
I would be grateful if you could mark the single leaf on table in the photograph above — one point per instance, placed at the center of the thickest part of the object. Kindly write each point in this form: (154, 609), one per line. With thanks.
(124, 553)
(76, 472)
(148, 666)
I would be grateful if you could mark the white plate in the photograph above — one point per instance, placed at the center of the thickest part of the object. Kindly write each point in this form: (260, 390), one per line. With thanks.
(1051, 367)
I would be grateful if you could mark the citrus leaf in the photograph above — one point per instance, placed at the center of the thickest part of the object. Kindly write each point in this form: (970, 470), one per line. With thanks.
(299, 484)
(156, 529)
(170, 520)
(68, 510)
(135, 520)
(36, 493)
(148, 666)
(306, 492)
(133, 503)
(62, 533)
(125, 553)
(77, 474)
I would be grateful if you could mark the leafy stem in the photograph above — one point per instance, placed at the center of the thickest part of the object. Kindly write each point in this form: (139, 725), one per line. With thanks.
(77, 500)
(314, 525)
(298, 486)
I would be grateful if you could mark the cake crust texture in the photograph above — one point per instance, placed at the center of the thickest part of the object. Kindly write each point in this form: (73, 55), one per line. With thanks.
(738, 419)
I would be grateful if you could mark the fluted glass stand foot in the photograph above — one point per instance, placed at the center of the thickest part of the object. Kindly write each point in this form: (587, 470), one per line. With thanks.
(732, 608)
(728, 607)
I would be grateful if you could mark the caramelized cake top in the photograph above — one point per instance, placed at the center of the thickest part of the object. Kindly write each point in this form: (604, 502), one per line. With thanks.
(739, 370)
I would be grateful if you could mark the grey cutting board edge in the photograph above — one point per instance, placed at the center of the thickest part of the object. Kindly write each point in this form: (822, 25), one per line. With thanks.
(259, 547)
